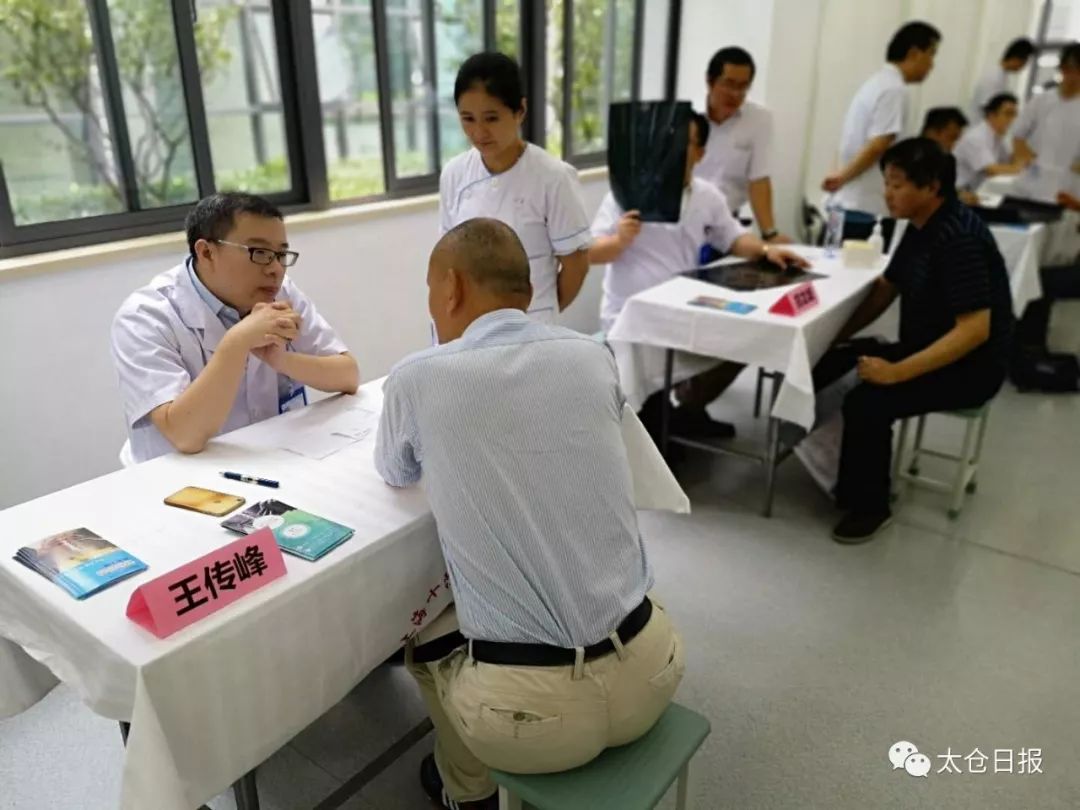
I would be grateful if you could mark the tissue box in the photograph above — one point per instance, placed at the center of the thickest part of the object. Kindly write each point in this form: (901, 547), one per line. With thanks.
(860, 255)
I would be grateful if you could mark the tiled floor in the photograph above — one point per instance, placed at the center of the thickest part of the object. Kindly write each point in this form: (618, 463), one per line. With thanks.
(809, 658)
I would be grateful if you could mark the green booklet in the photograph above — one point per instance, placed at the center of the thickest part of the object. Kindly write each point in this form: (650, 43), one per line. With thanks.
(297, 532)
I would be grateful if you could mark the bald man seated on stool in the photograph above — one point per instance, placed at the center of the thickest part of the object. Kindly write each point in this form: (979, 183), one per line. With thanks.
(515, 428)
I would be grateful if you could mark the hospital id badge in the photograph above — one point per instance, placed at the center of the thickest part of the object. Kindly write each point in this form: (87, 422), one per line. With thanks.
(294, 400)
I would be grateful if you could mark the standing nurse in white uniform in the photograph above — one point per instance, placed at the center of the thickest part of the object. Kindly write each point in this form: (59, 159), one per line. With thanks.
(875, 119)
(506, 178)
(223, 339)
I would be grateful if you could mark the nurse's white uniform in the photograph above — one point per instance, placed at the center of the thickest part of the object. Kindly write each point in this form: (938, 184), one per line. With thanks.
(539, 197)
(1051, 126)
(162, 338)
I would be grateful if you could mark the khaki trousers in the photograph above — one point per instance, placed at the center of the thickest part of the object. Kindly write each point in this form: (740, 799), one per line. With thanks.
(542, 719)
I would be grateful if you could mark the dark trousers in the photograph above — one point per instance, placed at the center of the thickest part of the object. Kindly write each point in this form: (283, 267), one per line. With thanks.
(870, 410)
(1057, 282)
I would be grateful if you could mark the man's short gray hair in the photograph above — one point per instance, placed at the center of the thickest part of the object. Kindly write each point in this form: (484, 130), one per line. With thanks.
(490, 253)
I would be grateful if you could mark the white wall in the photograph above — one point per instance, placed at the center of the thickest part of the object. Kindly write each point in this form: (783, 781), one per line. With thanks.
(60, 412)
(708, 26)
(854, 36)
(654, 49)
(791, 93)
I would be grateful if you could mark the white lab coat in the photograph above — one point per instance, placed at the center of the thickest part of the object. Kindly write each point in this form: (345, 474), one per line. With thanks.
(737, 152)
(878, 108)
(162, 338)
(539, 197)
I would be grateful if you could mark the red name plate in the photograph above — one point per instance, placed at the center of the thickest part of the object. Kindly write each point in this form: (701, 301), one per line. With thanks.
(796, 300)
(206, 585)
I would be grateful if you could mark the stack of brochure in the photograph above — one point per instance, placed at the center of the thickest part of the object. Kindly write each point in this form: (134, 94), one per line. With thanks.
(79, 561)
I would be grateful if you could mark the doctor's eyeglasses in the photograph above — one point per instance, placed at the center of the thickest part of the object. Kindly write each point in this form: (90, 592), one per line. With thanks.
(265, 256)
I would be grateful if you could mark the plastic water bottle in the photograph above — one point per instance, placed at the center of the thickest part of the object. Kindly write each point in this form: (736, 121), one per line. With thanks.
(834, 226)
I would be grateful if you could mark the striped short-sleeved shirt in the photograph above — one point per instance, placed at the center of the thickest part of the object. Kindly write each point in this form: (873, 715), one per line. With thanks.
(949, 267)
(515, 429)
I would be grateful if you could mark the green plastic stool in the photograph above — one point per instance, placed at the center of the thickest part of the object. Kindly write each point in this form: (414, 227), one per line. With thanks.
(967, 461)
(631, 777)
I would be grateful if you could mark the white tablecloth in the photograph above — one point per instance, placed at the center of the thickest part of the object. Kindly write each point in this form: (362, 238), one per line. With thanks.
(213, 701)
(661, 318)
(1021, 246)
(1061, 244)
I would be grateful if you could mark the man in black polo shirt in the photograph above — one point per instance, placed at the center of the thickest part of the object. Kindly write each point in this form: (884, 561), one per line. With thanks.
(955, 328)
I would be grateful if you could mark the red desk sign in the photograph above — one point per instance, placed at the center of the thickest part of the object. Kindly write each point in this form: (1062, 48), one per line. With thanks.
(206, 585)
(796, 300)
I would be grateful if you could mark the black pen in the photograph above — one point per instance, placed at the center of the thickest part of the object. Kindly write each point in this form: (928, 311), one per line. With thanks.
(251, 479)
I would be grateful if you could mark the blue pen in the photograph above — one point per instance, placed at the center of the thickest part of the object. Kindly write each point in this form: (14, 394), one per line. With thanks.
(251, 479)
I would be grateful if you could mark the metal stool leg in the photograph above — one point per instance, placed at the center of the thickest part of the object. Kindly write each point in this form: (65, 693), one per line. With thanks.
(683, 787)
(758, 391)
(508, 800)
(898, 460)
(962, 467)
(772, 449)
(920, 428)
(973, 483)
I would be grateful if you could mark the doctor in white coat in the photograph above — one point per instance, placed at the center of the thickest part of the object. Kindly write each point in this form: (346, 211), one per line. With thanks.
(223, 339)
(505, 178)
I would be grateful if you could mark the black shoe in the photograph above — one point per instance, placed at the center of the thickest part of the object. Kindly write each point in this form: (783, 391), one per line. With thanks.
(696, 424)
(860, 527)
(432, 782)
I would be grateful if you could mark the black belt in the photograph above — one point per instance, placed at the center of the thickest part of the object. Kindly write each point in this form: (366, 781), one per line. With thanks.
(516, 654)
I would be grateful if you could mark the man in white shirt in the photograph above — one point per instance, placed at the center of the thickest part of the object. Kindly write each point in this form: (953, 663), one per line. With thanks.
(1048, 133)
(224, 338)
(983, 150)
(642, 255)
(874, 120)
(737, 158)
(996, 79)
(944, 126)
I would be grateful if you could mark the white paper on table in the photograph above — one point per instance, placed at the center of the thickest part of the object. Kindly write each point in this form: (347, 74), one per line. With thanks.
(654, 485)
(317, 445)
(321, 439)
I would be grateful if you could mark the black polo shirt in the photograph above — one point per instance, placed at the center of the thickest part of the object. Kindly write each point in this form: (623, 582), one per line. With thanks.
(949, 267)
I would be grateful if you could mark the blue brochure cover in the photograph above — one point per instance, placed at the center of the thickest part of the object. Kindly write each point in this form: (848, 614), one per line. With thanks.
(79, 561)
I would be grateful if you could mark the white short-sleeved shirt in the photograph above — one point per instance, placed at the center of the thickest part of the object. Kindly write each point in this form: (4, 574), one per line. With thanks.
(978, 148)
(993, 82)
(878, 108)
(162, 338)
(663, 249)
(539, 197)
(738, 151)
(1051, 127)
